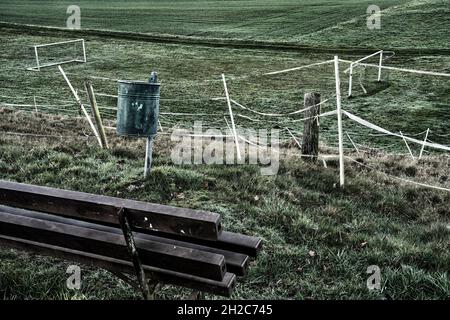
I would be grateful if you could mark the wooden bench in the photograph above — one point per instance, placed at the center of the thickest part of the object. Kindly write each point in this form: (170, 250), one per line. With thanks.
(158, 243)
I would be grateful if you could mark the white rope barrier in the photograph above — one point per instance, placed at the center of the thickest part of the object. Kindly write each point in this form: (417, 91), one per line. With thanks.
(278, 114)
(400, 179)
(363, 58)
(431, 73)
(351, 140)
(24, 134)
(377, 128)
(297, 68)
(423, 146)
(295, 139)
(407, 145)
(325, 114)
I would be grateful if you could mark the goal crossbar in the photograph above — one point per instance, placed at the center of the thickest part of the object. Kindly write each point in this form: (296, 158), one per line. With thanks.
(359, 62)
(39, 66)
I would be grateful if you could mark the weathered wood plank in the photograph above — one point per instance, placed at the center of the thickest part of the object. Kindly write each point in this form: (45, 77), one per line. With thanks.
(158, 218)
(179, 259)
(223, 288)
(229, 241)
(236, 263)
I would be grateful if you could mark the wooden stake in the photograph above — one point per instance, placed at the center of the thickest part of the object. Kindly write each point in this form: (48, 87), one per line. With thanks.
(131, 246)
(339, 116)
(96, 113)
(310, 142)
(81, 106)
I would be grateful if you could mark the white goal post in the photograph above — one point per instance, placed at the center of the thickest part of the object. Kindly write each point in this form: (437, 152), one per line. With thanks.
(39, 66)
(355, 63)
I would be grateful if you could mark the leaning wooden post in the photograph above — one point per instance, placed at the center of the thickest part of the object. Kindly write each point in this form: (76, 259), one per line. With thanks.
(310, 143)
(96, 113)
(339, 116)
(83, 109)
(132, 250)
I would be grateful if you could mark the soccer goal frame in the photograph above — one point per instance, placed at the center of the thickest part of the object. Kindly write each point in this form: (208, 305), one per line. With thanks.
(39, 66)
(355, 63)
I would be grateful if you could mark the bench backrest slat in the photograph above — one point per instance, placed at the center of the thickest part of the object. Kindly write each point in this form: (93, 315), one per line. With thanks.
(103, 209)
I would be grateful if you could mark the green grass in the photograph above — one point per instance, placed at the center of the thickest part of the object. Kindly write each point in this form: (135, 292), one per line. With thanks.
(190, 77)
(373, 221)
(321, 23)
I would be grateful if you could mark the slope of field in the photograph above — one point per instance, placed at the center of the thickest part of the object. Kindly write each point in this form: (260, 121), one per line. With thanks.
(307, 23)
(190, 78)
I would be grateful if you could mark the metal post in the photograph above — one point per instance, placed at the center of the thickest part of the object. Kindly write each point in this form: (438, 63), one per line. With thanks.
(149, 144)
(339, 116)
(380, 66)
(148, 156)
(350, 80)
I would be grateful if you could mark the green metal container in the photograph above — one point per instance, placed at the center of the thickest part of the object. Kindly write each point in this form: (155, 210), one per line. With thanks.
(138, 107)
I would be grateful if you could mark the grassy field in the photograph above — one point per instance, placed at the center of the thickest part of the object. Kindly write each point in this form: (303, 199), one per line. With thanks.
(323, 23)
(318, 239)
(190, 77)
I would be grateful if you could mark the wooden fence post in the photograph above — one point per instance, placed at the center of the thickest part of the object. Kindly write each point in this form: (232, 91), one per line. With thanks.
(310, 143)
(96, 113)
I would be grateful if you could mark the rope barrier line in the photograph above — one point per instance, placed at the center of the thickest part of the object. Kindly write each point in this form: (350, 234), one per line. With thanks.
(45, 135)
(431, 73)
(354, 63)
(298, 68)
(398, 178)
(325, 114)
(351, 140)
(377, 128)
(295, 139)
(278, 71)
(277, 114)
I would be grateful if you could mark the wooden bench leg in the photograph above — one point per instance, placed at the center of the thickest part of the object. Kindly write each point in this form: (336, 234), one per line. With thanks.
(196, 295)
(131, 245)
(154, 286)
